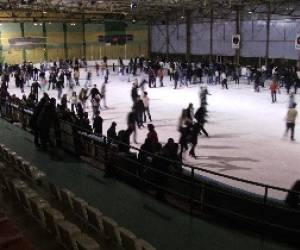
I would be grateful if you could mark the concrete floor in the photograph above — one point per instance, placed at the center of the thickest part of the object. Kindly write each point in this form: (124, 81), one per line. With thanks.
(164, 227)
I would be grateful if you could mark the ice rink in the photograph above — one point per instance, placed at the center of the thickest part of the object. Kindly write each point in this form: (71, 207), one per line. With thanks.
(246, 129)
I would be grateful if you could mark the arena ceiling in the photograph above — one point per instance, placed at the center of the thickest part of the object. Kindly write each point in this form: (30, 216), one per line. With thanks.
(148, 10)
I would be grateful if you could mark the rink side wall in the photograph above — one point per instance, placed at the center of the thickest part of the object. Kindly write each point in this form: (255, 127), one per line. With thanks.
(66, 40)
(253, 38)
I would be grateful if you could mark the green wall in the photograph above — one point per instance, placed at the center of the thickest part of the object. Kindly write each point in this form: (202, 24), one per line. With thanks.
(66, 40)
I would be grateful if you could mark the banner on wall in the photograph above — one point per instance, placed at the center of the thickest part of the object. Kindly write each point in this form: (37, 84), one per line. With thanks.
(236, 39)
(27, 42)
(297, 42)
(115, 39)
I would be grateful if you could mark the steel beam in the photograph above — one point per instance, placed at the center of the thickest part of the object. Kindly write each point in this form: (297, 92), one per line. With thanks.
(188, 36)
(269, 13)
(65, 30)
(23, 35)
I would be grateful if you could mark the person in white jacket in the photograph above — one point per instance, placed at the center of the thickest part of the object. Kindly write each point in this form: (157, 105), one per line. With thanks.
(145, 100)
(291, 121)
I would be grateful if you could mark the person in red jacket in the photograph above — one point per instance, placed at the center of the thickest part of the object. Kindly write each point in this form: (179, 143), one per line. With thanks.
(274, 88)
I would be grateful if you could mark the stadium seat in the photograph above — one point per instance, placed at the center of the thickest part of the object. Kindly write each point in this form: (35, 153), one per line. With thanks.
(144, 245)
(55, 191)
(24, 166)
(95, 218)
(79, 207)
(25, 195)
(66, 197)
(111, 230)
(12, 155)
(37, 205)
(15, 185)
(52, 218)
(68, 234)
(129, 240)
(19, 161)
(85, 242)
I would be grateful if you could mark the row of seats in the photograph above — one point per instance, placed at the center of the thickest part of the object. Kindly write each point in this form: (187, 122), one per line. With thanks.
(67, 233)
(102, 224)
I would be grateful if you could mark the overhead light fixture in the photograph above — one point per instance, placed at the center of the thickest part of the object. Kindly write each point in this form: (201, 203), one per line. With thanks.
(45, 12)
(250, 12)
(35, 24)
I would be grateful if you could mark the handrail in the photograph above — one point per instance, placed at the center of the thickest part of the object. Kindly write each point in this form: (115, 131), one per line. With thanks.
(238, 179)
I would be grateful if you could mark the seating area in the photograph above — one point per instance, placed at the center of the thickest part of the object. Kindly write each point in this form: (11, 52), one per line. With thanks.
(71, 221)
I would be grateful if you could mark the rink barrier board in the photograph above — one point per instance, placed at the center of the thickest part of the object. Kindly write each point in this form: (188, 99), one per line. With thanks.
(200, 194)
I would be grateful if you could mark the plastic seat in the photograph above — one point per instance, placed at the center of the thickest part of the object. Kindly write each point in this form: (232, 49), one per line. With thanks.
(95, 218)
(19, 161)
(66, 196)
(16, 185)
(52, 218)
(25, 195)
(86, 243)
(12, 158)
(55, 191)
(129, 240)
(111, 230)
(79, 207)
(144, 245)
(24, 166)
(68, 234)
(37, 205)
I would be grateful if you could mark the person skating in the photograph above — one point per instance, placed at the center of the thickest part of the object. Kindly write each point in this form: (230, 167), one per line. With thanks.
(273, 88)
(200, 117)
(146, 102)
(73, 100)
(139, 109)
(83, 98)
(291, 121)
(88, 82)
(134, 91)
(103, 94)
(224, 80)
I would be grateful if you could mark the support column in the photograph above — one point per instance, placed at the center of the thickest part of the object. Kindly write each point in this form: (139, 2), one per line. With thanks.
(268, 33)
(45, 45)
(238, 31)
(149, 39)
(65, 29)
(23, 35)
(188, 36)
(167, 38)
(83, 40)
(1, 50)
(211, 39)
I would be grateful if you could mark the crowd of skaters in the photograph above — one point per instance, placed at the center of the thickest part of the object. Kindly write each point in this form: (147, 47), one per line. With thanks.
(66, 74)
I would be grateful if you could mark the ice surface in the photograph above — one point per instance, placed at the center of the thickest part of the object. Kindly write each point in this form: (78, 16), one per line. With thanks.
(246, 129)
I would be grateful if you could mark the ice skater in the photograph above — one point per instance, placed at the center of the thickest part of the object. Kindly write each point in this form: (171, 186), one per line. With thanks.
(291, 121)
(273, 88)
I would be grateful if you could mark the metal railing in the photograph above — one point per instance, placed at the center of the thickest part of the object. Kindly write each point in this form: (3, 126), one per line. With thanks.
(193, 191)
